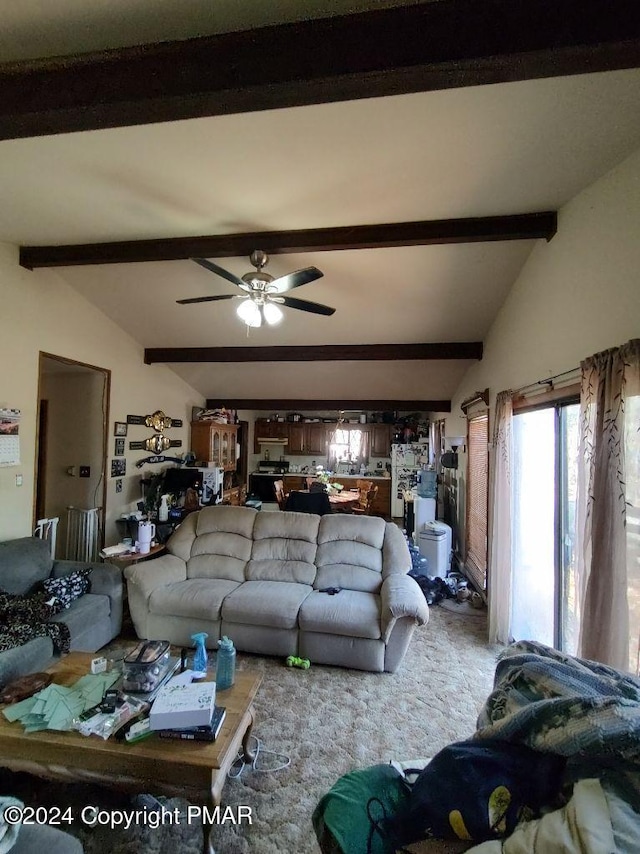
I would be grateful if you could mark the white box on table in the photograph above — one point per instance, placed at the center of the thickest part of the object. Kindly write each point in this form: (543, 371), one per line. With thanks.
(178, 706)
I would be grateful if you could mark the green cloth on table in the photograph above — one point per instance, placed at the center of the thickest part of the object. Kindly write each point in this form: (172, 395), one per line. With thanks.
(56, 706)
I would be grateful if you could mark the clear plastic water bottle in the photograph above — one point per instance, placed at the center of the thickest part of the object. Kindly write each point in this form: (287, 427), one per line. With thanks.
(225, 664)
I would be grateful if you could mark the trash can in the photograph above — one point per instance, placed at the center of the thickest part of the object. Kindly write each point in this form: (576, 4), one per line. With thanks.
(434, 543)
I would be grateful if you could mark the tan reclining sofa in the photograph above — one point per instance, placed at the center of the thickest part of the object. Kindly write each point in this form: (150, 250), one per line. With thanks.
(263, 579)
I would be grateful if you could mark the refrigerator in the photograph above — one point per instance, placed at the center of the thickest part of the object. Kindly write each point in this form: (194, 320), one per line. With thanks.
(406, 462)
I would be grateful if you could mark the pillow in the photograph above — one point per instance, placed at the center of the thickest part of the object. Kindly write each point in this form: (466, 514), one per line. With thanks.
(70, 587)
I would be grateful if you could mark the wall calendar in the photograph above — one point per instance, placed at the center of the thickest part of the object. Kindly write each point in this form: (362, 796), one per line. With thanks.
(9, 437)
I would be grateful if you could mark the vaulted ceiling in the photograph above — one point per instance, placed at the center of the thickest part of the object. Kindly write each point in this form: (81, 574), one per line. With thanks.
(414, 154)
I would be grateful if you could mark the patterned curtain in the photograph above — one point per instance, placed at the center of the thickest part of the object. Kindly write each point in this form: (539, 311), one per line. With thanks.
(609, 380)
(500, 521)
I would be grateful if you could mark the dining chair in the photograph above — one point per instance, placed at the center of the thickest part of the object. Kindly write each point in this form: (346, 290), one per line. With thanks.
(364, 505)
(281, 496)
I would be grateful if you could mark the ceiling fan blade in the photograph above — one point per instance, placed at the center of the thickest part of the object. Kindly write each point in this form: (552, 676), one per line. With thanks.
(206, 299)
(304, 305)
(220, 271)
(295, 280)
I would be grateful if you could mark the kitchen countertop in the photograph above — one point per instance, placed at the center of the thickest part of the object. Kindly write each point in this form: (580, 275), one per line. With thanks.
(341, 476)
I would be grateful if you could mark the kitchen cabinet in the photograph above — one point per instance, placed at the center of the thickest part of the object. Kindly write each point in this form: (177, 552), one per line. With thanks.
(316, 438)
(264, 429)
(303, 438)
(380, 436)
(215, 443)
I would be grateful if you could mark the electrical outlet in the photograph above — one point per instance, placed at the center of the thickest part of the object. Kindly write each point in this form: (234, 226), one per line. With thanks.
(85, 471)
(18, 480)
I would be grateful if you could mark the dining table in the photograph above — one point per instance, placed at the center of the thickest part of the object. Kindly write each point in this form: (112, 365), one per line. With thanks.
(345, 500)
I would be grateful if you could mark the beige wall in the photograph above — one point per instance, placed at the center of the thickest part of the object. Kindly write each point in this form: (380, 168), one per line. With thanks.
(41, 313)
(576, 295)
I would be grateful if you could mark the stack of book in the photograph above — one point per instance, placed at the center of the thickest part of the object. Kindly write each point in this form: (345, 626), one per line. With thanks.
(187, 711)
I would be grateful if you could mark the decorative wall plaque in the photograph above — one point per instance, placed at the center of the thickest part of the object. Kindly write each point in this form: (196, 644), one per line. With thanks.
(118, 450)
(155, 444)
(158, 459)
(157, 420)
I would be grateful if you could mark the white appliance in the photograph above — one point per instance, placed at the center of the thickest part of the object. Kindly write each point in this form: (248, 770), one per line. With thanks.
(434, 542)
(212, 484)
(424, 511)
(406, 462)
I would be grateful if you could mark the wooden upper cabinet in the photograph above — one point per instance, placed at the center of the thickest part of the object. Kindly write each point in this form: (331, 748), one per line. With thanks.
(297, 436)
(316, 438)
(380, 439)
(215, 443)
(302, 437)
(264, 429)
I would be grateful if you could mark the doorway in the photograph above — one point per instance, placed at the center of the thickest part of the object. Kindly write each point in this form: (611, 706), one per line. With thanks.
(545, 495)
(71, 447)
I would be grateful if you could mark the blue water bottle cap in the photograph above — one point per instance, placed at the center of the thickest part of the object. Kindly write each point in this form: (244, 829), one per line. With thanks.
(225, 643)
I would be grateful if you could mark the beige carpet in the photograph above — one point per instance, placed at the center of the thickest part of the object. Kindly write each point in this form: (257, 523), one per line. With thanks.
(329, 721)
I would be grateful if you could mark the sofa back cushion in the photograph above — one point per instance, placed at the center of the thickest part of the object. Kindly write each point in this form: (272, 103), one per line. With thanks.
(24, 563)
(284, 548)
(350, 552)
(222, 543)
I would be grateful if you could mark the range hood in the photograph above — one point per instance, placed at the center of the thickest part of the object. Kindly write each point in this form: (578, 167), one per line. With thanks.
(265, 440)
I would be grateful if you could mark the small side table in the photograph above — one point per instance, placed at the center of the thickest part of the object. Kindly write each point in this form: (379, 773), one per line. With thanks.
(135, 557)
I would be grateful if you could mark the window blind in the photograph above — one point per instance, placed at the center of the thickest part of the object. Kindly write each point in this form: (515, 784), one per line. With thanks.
(477, 499)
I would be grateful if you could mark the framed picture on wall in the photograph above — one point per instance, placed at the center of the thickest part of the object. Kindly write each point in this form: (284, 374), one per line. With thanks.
(118, 450)
(118, 468)
(120, 428)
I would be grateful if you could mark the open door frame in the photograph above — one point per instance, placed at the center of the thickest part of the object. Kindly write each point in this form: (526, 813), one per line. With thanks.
(41, 439)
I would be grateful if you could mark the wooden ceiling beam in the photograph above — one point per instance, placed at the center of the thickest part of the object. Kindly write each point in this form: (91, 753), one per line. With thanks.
(326, 353)
(429, 232)
(275, 404)
(383, 52)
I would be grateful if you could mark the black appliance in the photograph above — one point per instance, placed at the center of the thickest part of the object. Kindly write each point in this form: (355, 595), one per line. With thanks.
(261, 482)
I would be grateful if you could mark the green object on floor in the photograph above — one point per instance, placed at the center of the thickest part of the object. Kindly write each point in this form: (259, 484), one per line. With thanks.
(302, 663)
(344, 818)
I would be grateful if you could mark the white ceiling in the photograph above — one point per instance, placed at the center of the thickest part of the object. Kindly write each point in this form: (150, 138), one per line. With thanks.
(509, 148)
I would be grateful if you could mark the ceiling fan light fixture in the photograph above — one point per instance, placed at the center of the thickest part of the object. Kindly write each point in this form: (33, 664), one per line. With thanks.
(272, 313)
(249, 313)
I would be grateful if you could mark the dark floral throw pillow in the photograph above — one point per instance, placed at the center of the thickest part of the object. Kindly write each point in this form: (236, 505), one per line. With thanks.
(68, 588)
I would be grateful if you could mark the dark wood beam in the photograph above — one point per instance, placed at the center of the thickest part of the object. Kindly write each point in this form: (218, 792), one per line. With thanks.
(273, 404)
(468, 230)
(327, 353)
(436, 45)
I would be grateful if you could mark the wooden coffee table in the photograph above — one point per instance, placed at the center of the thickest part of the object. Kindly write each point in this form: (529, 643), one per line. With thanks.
(192, 770)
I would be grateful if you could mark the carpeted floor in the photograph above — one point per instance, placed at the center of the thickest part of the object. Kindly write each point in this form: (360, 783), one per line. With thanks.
(328, 721)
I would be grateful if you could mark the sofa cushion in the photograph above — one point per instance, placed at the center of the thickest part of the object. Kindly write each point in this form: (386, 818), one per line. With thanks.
(284, 548)
(24, 563)
(196, 598)
(220, 541)
(88, 610)
(350, 553)
(349, 612)
(266, 603)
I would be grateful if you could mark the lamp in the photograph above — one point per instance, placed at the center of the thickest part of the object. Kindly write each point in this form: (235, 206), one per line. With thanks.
(254, 310)
(449, 460)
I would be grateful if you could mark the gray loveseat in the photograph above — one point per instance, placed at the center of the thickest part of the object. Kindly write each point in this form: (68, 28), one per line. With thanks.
(93, 620)
(262, 578)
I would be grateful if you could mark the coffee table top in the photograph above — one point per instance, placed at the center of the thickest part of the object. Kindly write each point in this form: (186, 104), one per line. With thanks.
(151, 761)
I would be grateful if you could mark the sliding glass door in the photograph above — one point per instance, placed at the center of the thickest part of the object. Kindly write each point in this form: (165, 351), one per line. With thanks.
(544, 479)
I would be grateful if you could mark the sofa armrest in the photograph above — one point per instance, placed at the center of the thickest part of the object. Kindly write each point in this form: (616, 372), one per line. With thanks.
(106, 580)
(143, 578)
(401, 597)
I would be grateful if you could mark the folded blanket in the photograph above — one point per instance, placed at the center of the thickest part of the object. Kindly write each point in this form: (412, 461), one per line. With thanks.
(555, 703)
(23, 618)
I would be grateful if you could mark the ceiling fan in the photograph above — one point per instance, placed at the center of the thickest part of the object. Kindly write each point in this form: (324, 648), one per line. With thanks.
(262, 293)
